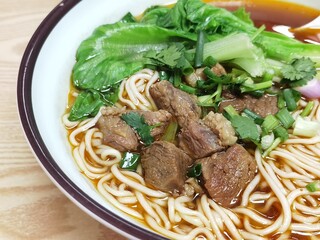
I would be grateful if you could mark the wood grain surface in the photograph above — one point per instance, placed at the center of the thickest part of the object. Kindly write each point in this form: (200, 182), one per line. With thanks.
(31, 207)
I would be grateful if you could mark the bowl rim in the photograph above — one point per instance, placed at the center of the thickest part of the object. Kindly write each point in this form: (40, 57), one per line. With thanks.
(32, 134)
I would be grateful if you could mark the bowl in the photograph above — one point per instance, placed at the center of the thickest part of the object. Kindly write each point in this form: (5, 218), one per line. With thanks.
(43, 85)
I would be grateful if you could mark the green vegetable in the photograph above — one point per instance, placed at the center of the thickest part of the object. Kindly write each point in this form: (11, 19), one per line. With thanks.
(187, 89)
(170, 133)
(306, 128)
(238, 48)
(252, 87)
(130, 161)
(289, 99)
(198, 59)
(307, 110)
(266, 141)
(314, 186)
(246, 128)
(281, 132)
(255, 117)
(87, 104)
(195, 171)
(230, 112)
(285, 118)
(210, 62)
(138, 123)
(275, 144)
(115, 51)
(128, 18)
(269, 124)
(299, 71)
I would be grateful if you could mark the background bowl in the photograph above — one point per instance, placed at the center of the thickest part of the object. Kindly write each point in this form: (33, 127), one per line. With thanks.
(43, 86)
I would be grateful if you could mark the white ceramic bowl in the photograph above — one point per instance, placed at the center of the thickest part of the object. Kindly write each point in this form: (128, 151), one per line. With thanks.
(43, 86)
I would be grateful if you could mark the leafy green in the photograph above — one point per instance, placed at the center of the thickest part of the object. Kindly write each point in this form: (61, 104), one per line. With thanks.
(138, 123)
(299, 71)
(87, 104)
(246, 128)
(116, 51)
(130, 161)
(243, 15)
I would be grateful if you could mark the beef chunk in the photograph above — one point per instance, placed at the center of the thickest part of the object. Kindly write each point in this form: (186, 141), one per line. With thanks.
(165, 166)
(263, 106)
(221, 127)
(226, 174)
(198, 140)
(198, 74)
(116, 133)
(180, 104)
(160, 119)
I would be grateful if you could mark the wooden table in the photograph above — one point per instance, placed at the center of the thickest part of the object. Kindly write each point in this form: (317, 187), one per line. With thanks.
(31, 207)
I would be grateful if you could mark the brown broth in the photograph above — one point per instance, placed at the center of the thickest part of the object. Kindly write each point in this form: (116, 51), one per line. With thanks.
(278, 16)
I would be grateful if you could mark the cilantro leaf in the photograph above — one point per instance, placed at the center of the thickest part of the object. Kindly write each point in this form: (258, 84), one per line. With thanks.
(167, 57)
(299, 71)
(246, 128)
(138, 123)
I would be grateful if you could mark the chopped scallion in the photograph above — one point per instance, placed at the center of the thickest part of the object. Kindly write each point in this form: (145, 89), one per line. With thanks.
(230, 112)
(285, 118)
(187, 88)
(314, 186)
(256, 118)
(290, 100)
(307, 110)
(130, 161)
(269, 123)
(275, 144)
(210, 62)
(198, 59)
(306, 128)
(281, 132)
(266, 141)
(170, 133)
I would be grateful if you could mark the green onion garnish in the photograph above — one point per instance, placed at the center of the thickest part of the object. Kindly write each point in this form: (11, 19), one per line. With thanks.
(198, 59)
(285, 118)
(187, 88)
(210, 62)
(130, 161)
(281, 132)
(307, 110)
(269, 123)
(230, 112)
(290, 100)
(255, 117)
(313, 187)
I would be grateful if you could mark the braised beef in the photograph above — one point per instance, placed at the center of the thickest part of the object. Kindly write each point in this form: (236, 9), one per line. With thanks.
(116, 133)
(221, 127)
(165, 166)
(226, 174)
(263, 106)
(119, 135)
(198, 140)
(160, 119)
(179, 103)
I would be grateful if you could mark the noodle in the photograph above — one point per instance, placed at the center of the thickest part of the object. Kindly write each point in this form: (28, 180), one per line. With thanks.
(279, 184)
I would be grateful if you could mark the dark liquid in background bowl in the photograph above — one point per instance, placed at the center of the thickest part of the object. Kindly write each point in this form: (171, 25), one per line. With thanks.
(278, 17)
